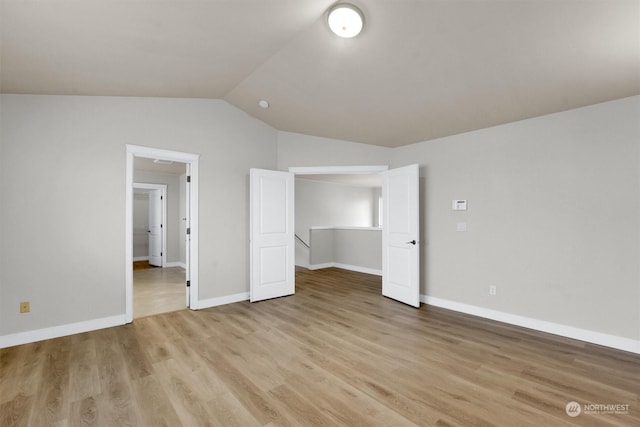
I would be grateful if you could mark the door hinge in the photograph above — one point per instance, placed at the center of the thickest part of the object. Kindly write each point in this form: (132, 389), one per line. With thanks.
(188, 178)
(160, 253)
(160, 225)
(161, 198)
(188, 230)
(188, 283)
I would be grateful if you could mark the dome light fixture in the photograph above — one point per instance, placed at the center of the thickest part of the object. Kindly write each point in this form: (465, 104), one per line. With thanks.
(345, 20)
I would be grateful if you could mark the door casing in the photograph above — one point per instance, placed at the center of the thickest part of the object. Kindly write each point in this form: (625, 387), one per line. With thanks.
(192, 166)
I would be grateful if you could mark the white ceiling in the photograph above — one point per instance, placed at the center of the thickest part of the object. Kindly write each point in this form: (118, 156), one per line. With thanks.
(421, 69)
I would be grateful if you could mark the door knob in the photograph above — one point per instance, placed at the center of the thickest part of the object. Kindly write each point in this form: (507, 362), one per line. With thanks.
(413, 242)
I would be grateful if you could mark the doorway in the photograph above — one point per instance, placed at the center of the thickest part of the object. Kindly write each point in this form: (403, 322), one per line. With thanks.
(337, 222)
(186, 221)
(159, 262)
(362, 177)
(272, 239)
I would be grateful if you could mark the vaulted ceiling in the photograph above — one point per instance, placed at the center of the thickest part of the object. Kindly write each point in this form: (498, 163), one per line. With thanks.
(421, 69)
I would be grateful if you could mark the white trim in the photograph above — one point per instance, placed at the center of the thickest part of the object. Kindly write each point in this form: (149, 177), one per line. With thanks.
(176, 264)
(599, 338)
(229, 299)
(337, 170)
(140, 258)
(194, 304)
(163, 191)
(156, 153)
(357, 268)
(331, 227)
(128, 238)
(321, 266)
(60, 331)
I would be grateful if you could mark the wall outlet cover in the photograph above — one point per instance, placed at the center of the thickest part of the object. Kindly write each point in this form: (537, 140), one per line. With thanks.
(25, 307)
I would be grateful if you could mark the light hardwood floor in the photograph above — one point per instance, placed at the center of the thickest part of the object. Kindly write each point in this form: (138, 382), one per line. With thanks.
(335, 353)
(158, 290)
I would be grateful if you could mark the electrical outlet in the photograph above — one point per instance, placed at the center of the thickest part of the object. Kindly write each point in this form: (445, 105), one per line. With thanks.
(25, 307)
(492, 290)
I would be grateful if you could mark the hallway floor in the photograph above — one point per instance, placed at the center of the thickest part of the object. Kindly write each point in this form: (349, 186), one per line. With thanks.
(158, 290)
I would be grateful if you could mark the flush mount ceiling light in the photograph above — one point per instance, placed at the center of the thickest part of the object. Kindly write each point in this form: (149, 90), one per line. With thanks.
(345, 20)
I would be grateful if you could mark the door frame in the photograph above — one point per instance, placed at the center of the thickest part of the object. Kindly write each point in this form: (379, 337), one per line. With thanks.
(338, 170)
(192, 160)
(163, 190)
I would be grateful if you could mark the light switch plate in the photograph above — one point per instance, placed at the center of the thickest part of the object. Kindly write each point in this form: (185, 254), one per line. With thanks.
(459, 205)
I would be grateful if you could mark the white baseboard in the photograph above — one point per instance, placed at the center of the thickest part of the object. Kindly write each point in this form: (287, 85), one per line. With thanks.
(613, 341)
(357, 268)
(60, 331)
(176, 264)
(321, 266)
(599, 338)
(228, 299)
(140, 258)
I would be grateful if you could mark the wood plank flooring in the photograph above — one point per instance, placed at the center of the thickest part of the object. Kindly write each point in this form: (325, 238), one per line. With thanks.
(142, 265)
(335, 354)
(158, 290)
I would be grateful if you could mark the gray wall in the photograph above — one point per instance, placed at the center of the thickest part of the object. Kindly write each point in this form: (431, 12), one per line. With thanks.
(330, 204)
(348, 247)
(70, 155)
(553, 217)
(304, 150)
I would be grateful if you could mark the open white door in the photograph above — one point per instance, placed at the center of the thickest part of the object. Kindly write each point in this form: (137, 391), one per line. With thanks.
(155, 227)
(272, 251)
(400, 232)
